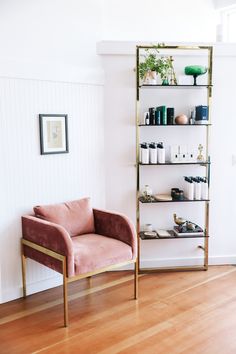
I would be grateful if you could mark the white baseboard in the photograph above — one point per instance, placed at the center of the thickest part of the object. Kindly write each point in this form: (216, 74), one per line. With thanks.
(15, 293)
(171, 262)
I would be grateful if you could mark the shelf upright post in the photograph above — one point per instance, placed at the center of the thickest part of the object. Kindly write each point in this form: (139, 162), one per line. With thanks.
(209, 99)
(137, 156)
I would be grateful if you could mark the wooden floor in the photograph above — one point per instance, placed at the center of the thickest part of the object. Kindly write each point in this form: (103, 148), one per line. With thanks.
(190, 313)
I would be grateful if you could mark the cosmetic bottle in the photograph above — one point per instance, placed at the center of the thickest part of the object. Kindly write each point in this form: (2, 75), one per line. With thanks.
(189, 188)
(197, 188)
(153, 153)
(204, 188)
(144, 153)
(146, 118)
(161, 153)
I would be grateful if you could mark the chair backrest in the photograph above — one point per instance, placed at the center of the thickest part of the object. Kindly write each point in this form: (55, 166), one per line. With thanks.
(75, 216)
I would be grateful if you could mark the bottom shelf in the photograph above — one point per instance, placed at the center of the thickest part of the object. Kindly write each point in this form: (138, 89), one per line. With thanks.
(171, 237)
(173, 269)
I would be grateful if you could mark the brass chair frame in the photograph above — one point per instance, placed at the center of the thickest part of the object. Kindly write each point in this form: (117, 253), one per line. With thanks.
(67, 279)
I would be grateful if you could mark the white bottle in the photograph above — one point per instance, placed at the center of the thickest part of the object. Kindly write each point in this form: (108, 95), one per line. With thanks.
(153, 153)
(161, 154)
(204, 188)
(197, 189)
(189, 188)
(144, 153)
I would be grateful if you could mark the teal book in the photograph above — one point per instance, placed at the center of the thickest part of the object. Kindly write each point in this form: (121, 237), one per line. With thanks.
(163, 115)
(157, 116)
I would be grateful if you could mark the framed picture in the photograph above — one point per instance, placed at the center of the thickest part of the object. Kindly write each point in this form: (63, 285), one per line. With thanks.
(53, 134)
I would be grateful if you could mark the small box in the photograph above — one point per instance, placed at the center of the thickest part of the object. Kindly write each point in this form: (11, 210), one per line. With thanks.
(174, 153)
(201, 114)
(183, 152)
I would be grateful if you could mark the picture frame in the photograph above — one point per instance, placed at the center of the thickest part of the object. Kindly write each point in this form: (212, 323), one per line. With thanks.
(53, 130)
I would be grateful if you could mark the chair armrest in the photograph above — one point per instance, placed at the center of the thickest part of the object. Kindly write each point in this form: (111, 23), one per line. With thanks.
(117, 226)
(51, 236)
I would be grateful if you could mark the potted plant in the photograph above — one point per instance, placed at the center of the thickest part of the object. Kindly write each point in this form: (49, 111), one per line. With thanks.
(153, 65)
(148, 68)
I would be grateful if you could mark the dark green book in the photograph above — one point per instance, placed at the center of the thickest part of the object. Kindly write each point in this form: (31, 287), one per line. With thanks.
(162, 110)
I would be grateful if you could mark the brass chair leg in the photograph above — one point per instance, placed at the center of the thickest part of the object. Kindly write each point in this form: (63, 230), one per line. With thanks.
(23, 265)
(136, 280)
(65, 297)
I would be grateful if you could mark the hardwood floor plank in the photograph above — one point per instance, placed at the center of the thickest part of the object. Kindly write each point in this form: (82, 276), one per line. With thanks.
(176, 313)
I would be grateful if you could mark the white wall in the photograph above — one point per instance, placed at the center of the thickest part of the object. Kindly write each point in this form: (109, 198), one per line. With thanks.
(50, 39)
(28, 178)
(219, 4)
(48, 64)
(119, 61)
(159, 21)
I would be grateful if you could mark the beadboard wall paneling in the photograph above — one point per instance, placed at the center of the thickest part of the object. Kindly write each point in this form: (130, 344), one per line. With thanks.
(28, 178)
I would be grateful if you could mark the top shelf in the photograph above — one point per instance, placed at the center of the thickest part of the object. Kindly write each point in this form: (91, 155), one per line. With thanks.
(175, 86)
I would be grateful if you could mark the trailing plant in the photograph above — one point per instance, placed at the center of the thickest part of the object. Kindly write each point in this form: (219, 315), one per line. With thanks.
(152, 62)
(164, 65)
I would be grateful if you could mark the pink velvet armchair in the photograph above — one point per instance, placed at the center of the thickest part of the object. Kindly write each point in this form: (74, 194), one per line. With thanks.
(78, 242)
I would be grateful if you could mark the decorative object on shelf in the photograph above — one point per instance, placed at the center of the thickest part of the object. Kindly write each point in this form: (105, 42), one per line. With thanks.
(153, 65)
(150, 234)
(182, 154)
(195, 71)
(163, 233)
(147, 194)
(166, 70)
(148, 68)
(173, 80)
(179, 220)
(163, 197)
(200, 156)
(192, 116)
(179, 231)
(186, 228)
(177, 194)
(173, 191)
(147, 228)
(181, 119)
(201, 115)
(53, 134)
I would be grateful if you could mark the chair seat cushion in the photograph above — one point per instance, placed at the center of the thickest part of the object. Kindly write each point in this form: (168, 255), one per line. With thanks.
(93, 251)
(75, 216)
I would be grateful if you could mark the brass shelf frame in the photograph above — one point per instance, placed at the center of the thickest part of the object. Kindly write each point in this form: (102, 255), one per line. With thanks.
(208, 87)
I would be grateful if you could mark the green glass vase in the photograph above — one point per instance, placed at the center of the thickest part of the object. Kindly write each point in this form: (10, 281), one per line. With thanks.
(195, 71)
